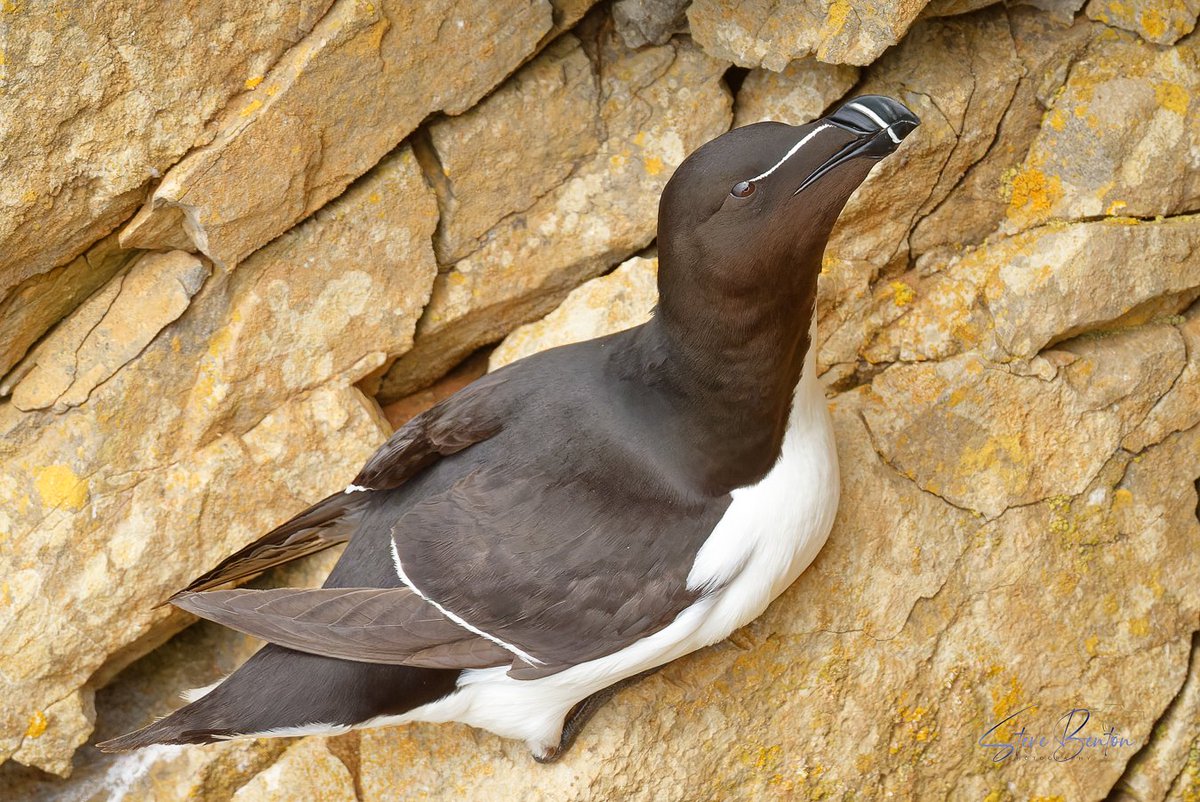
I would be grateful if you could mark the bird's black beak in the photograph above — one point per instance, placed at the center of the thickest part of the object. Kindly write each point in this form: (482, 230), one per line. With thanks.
(879, 124)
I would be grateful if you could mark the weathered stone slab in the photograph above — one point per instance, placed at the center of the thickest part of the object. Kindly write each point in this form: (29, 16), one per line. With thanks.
(291, 144)
(655, 105)
(97, 103)
(1163, 22)
(797, 95)
(106, 332)
(768, 33)
(620, 300)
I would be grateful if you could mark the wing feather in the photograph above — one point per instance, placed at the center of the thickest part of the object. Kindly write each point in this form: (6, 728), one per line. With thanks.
(369, 625)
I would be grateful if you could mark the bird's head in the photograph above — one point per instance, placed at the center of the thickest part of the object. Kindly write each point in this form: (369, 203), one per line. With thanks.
(754, 206)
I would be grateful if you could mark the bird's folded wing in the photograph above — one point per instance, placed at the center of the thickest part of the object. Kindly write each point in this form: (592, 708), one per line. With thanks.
(371, 625)
(561, 571)
(326, 523)
(469, 417)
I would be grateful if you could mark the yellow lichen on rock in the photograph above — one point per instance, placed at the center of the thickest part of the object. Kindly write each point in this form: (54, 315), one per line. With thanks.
(59, 487)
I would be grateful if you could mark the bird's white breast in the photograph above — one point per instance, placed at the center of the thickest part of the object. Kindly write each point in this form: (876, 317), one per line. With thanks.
(769, 534)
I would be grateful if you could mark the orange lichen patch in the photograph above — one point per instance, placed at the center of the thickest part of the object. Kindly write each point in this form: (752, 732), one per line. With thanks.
(654, 165)
(1153, 23)
(1065, 583)
(1034, 193)
(252, 107)
(1006, 701)
(1172, 97)
(768, 757)
(995, 451)
(1139, 627)
(60, 488)
(902, 294)
(253, 82)
(839, 12)
(1122, 498)
(37, 725)
(919, 729)
(958, 395)
(1090, 644)
(1110, 604)
(1057, 120)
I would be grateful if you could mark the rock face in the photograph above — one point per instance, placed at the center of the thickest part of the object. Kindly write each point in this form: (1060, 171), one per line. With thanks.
(307, 765)
(394, 66)
(96, 105)
(237, 414)
(106, 332)
(595, 206)
(1162, 22)
(766, 33)
(621, 300)
(1009, 334)
(797, 95)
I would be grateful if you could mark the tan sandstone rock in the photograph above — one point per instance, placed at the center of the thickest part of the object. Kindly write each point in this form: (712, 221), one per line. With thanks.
(501, 157)
(1167, 768)
(1014, 296)
(39, 302)
(770, 34)
(236, 415)
(106, 332)
(152, 687)
(306, 769)
(1008, 308)
(656, 105)
(621, 300)
(1061, 11)
(96, 103)
(292, 143)
(797, 95)
(948, 8)
(979, 203)
(75, 602)
(976, 78)
(1121, 139)
(1163, 22)
(649, 22)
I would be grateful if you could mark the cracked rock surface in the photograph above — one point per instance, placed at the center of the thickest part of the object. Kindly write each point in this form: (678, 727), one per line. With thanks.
(346, 199)
(592, 204)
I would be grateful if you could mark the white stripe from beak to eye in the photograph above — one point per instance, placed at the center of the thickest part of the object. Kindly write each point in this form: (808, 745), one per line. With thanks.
(878, 121)
(791, 152)
(355, 489)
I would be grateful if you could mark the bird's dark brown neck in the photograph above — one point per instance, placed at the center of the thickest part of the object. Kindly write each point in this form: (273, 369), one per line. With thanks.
(725, 370)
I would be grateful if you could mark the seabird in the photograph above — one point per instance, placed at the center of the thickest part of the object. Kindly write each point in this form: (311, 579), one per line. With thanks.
(583, 515)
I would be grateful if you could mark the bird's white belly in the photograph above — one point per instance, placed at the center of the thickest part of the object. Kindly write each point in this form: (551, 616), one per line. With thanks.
(769, 534)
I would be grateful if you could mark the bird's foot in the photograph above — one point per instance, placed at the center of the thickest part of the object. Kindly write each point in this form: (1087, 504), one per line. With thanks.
(580, 715)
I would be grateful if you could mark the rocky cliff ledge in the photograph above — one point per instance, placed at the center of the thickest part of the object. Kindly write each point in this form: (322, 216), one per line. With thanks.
(239, 242)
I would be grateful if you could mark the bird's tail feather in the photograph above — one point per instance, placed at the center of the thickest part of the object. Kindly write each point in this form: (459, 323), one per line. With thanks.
(280, 692)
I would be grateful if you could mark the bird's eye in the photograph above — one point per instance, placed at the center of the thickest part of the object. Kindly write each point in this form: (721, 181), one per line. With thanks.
(742, 189)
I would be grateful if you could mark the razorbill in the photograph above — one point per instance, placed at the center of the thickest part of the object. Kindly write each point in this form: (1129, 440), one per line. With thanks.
(583, 515)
